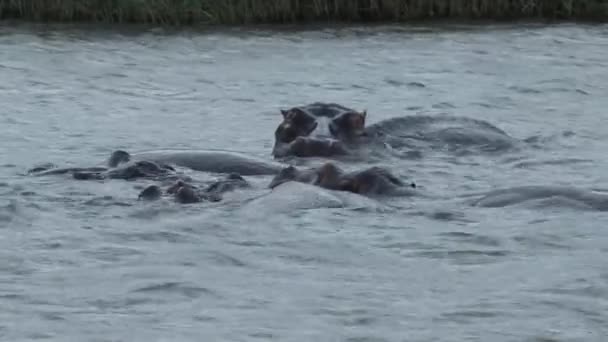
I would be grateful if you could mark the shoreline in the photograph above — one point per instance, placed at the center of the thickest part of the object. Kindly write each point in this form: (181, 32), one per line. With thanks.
(420, 26)
(278, 13)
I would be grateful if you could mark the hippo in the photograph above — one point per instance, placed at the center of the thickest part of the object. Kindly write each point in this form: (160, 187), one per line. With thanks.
(124, 165)
(543, 196)
(186, 193)
(370, 181)
(297, 135)
(118, 157)
(290, 197)
(128, 171)
(182, 192)
(454, 133)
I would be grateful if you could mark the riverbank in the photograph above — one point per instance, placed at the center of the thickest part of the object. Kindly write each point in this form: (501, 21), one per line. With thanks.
(228, 12)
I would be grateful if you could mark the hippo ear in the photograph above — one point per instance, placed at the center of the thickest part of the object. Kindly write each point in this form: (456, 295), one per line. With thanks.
(284, 112)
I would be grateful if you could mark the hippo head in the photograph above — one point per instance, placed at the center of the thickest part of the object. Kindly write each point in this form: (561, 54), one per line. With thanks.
(349, 125)
(150, 193)
(231, 182)
(287, 174)
(186, 195)
(118, 157)
(175, 187)
(328, 176)
(374, 180)
(296, 122)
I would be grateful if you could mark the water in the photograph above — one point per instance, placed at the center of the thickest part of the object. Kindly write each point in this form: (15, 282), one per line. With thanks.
(86, 261)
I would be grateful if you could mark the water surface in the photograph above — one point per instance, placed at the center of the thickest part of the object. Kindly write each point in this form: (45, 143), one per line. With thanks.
(87, 261)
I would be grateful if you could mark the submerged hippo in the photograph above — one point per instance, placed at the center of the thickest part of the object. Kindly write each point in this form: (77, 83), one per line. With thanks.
(185, 193)
(297, 135)
(124, 165)
(116, 158)
(122, 169)
(290, 197)
(543, 196)
(454, 133)
(369, 181)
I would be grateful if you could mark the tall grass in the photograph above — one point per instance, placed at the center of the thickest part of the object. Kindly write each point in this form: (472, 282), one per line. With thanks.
(178, 12)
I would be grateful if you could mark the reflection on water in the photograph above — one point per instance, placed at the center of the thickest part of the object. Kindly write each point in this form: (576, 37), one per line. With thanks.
(478, 255)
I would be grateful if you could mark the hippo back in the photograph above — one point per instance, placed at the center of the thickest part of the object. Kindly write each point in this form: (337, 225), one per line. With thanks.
(440, 130)
(216, 161)
(293, 196)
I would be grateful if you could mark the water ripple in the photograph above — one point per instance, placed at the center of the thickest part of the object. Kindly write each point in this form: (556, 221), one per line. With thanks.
(177, 288)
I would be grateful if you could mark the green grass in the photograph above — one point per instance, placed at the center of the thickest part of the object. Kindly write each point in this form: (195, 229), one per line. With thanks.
(184, 12)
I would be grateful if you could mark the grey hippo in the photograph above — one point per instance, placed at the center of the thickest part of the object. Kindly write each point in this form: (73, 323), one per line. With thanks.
(293, 196)
(117, 168)
(330, 130)
(369, 181)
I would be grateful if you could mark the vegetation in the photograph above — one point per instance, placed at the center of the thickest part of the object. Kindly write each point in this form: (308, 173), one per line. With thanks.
(178, 12)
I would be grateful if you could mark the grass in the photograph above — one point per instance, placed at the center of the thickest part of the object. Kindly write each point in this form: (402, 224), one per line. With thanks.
(185, 12)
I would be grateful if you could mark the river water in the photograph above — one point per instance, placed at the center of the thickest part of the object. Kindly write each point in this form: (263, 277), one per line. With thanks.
(85, 261)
